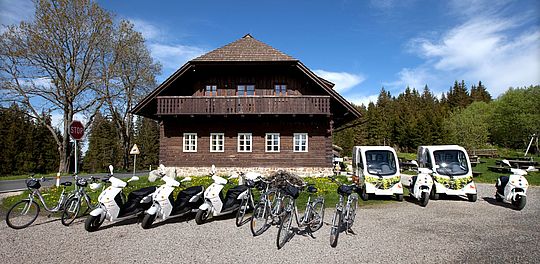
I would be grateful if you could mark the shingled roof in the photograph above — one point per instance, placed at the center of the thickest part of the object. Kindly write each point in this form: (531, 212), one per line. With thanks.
(245, 49)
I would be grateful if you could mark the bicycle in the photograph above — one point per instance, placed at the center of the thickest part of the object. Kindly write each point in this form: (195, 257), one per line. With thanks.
(25, 212)
(269, 207)
(248, 201)
(345, 214)
(73, 204)
(311, 220)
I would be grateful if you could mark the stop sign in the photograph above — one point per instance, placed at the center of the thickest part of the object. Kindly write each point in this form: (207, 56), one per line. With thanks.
(76, 130)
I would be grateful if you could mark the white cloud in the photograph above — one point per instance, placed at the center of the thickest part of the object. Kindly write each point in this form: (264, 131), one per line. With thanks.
(411, 77)
(363, 99)
(174, 56)
(343, 81)
(488, 47)
(149, 31)
(168, 52)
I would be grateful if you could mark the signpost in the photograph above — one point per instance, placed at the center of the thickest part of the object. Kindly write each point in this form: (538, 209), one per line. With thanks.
(76, 131)
(134, 151)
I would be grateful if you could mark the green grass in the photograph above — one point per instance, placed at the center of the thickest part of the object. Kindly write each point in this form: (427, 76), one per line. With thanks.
(488, 176)
(325, 187)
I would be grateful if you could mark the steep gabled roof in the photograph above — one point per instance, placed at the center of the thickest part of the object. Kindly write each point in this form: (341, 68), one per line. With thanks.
(245, 49)
(249, 50)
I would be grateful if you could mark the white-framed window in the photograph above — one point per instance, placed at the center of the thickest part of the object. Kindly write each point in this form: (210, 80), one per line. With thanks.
(300, 142)
(280, 89)
(244, 90)
(244, 142)
(272, 142)
(190, 142)
(211, 90)
(217, 142)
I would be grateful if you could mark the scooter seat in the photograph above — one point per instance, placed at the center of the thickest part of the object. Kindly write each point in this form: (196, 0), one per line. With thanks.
(183, 196)
(346, 189)
(235, 191)
(133, 201)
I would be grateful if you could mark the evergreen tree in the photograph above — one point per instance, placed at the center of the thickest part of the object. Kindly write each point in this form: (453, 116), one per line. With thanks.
(458, 96)
(147, 139)
(479, 93)
(103, 146)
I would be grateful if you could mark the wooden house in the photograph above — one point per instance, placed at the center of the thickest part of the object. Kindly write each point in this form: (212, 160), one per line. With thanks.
(246, 106)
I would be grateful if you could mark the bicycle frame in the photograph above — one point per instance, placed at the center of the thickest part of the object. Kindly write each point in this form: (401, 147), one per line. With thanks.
(309, 209)
(61, 200)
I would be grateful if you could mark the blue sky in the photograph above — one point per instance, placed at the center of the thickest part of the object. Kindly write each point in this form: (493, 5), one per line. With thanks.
(361, 46)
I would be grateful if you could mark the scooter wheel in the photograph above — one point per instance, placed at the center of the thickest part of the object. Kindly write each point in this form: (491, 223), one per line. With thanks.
(472, 197)
(424, 199)
(520, 202)
(498, 198)
(202, 216)
(147, 221)
(93, 223)
(399, 197)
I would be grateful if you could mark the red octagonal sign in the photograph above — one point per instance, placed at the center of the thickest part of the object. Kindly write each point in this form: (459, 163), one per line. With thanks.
(76, 130)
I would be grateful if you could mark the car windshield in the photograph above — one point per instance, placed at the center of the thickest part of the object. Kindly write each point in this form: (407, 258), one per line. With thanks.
(451, 162)
(381, 162)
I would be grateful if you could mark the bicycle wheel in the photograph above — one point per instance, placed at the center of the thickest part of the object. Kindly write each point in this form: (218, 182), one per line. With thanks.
(284, 231)
(241, 213)
(259, 220)
(22, 214)
(71, 210)
(351, 212)
(316, 217)
(334, 230)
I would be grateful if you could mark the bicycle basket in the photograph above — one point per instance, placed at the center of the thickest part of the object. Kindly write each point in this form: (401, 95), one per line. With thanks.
(292, 191)
(82, 182)
(33, 184)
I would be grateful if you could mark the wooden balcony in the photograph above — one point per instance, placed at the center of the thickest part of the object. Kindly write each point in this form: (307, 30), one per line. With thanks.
(225, 105)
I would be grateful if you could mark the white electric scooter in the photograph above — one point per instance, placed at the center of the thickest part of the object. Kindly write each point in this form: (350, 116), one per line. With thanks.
(111, 206)
(164, 207)
(215, 204)
(512, 188)
(420, 185)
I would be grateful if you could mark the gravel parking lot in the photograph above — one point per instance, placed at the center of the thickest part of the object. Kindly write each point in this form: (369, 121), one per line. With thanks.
(446, 231)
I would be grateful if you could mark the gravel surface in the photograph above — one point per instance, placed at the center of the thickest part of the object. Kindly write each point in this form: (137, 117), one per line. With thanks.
(446, 231)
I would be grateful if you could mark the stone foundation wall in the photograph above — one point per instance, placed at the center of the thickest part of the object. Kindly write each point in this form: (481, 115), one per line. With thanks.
(266, 171)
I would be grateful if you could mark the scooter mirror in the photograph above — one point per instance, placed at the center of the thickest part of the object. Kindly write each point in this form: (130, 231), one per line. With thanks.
(162, 167)
(186, 179)
(506, 162)
(213, 170)
(111, 169)
(133, 178)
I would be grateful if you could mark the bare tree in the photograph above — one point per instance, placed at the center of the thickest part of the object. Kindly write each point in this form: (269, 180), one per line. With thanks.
(51, 64)
(128, 74)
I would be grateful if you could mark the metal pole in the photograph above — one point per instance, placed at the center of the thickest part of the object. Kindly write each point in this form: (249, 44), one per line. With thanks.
(134, 164)
(75, 157)
(530, 143)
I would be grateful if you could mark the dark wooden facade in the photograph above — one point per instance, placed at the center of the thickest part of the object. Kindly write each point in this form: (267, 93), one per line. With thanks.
(307, 105)
(319, 142)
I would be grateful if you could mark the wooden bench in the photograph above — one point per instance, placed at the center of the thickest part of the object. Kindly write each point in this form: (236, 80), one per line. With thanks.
(489, 153)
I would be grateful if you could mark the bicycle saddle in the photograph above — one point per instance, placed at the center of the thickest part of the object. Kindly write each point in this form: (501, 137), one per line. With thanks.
(346, 189)
(68, 183)
(311, 189)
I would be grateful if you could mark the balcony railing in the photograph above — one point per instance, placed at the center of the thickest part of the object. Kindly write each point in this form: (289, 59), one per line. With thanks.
(188, 105)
